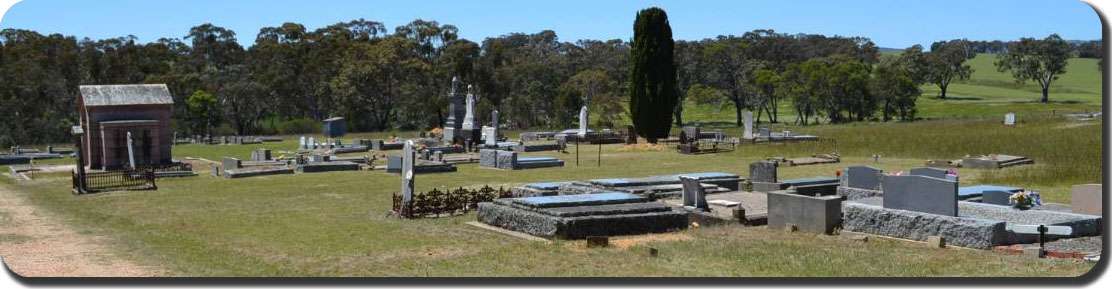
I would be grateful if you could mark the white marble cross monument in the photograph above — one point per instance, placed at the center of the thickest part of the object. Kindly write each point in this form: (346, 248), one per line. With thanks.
(583, 121)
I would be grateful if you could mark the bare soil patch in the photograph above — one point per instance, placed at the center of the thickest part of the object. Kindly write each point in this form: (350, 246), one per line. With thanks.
(37, 244)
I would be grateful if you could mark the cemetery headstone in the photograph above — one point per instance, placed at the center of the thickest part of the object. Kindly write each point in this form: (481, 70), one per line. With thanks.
(491, 136)
(583, 121)
(764, 172)
(765, 133)
(748, 125)
(1087, 199)
(455, 113)
(863, 177)
(930, 172)
(494, 122)
(312, 143)
(1009, 119)
(407, 173)
(302, 143)
(469, 116)
(1001, 198)
(130, 151)
(230, 163)
(693, 194)
(921, 194)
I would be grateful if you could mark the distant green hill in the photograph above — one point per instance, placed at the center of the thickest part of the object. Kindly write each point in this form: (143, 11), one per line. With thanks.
(989, 91)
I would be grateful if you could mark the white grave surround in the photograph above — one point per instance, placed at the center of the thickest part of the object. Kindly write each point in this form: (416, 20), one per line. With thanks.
(1050, 230)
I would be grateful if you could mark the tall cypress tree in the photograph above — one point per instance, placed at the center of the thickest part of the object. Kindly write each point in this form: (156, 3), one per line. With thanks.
(652, 75)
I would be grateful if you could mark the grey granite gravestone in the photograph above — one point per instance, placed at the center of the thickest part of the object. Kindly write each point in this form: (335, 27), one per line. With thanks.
(230, 163)
(930, 172)
(260, 155)
(693, 194)
(863, 177)
(488, 158)
(921, 194)
(765, 133)
(506, 160)
(996, 198)
(814, 214)
(764, 172)
(407, 173)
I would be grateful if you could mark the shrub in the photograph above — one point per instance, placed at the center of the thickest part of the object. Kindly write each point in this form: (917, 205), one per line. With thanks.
(299, 126)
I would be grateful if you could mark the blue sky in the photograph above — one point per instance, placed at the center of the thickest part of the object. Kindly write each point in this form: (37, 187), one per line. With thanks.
(894, 23)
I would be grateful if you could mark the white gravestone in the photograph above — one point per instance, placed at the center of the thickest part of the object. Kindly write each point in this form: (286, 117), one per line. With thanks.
(469, 117)
(490, 136)
(583, 121)
(748, 125)
(312, 143)
(407, 172)
(494, 122)
(302, 144)
(130, 151)
(1009, 119)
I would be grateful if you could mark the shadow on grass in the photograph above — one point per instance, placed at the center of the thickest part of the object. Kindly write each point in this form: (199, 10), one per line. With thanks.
(1048, 102)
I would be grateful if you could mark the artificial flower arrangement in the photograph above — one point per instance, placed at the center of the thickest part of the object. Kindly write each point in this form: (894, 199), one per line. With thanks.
(1024, 200)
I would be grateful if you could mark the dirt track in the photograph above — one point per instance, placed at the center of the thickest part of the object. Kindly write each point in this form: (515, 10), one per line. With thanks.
(34, 243)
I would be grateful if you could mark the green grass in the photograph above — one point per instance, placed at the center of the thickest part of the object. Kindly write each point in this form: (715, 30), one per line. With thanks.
(336, 224)
(987, 93)
(990, 92)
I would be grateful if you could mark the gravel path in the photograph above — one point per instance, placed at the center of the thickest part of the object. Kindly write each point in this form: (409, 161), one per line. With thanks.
(34, 243)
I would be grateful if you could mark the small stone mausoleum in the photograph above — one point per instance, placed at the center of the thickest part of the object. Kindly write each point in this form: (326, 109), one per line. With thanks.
(109, 112)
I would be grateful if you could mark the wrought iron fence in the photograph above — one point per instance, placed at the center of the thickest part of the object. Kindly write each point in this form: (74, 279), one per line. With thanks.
(436, 203)
(95, 182)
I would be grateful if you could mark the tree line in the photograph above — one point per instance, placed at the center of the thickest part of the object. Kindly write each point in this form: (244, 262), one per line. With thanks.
(291, 77)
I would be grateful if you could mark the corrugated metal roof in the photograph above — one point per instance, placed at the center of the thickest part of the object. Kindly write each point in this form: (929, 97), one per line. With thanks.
(125, 94)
